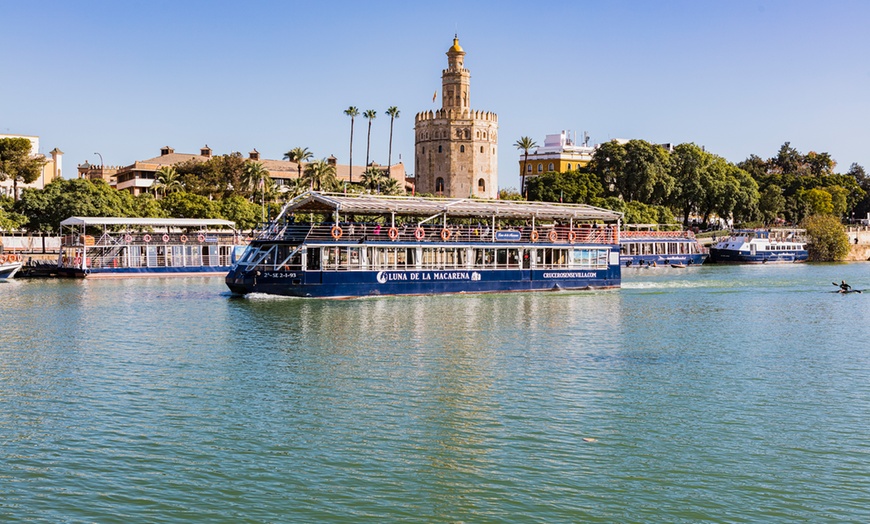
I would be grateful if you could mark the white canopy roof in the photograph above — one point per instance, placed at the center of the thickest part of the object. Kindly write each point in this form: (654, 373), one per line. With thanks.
(457, 207)
(147, 222)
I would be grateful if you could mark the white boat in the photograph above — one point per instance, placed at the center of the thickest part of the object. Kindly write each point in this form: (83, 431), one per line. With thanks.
(761, 246)
(9, 265)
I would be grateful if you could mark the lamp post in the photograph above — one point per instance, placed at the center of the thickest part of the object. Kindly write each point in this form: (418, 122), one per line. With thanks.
(101, 164)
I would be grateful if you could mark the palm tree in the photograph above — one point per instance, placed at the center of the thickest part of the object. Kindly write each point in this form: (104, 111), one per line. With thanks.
(255, 176)
(525, 143)
(373, 178)
(391, 186)
(168, 180)
(370, 114)
(352, 112)
(298, 155)
(393, 111)
(321, 175)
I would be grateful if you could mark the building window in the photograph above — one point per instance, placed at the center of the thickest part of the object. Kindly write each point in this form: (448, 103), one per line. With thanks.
(569, 166)
(540, 168)
(462, 149)
(481, 185)
(423, 151)
(439, 185)
(550, 167)
(467, 133)
(528, 168)
(439, 149)
(481, 149)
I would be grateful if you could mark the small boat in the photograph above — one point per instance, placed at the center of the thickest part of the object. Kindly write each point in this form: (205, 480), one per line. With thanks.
(9, 265)
(678, 266)
(761, 246)
(642, 246)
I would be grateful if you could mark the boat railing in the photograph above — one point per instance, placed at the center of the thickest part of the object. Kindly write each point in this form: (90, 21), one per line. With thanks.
(658, 234)
(113, 240)
(452, 233)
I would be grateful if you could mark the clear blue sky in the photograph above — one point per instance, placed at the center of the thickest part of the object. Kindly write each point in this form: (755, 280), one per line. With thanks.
(738, 77)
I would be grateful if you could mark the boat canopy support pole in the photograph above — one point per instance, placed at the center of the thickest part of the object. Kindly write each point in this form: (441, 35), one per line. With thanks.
(420, 223)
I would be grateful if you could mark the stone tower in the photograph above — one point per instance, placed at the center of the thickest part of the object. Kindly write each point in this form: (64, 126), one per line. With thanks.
(456, 147)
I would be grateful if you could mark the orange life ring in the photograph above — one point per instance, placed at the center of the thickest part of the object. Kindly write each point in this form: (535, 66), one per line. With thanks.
(147, 238)
(419, 233)
(183, 238)
(336, 232)
(534, 235)
(393, 233)
(446, 234)
(200, 238)
(128, 238)
(166, 238)
(2, 259)
(572, 236)
(77, 261)
(553, 236)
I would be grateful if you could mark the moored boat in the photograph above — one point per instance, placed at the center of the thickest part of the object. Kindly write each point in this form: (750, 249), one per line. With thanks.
(9, 266)
(647, 247)
(761, 246)
(122, 247)
(318, 247)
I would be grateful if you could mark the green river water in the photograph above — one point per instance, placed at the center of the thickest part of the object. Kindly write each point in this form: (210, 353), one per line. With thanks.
(710, 394)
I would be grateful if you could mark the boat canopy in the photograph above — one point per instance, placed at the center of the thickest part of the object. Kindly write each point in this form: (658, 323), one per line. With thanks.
(148, 222)
(315, 202)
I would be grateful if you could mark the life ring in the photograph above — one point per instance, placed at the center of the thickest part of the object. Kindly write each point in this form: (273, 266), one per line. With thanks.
(128, 238)
(534, 235)
(393, 233)
(166, 238)
(2, 259)
(419, 233)
(183, 238)
(200, 238)
(147, 238)
(553, 236)
(77, 261)
(572, 236)
(336, 232)
(446, 234)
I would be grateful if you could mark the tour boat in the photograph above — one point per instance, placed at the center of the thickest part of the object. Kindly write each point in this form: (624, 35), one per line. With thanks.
(327, 245)
(647, 247)
(761, 246)
(9, 265)
(120, 247)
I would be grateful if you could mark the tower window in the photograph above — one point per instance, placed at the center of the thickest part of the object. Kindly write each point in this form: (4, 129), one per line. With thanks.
(462, 149)
(481, 185)
(439, 149)
(439, 185)
(481, 149)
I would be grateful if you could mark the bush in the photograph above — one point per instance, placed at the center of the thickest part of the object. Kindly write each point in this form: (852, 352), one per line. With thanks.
(828, 241)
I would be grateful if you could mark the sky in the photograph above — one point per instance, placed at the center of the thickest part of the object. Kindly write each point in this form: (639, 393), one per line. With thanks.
(125, 78)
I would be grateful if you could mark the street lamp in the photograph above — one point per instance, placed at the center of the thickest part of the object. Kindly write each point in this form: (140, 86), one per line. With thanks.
(101, 164)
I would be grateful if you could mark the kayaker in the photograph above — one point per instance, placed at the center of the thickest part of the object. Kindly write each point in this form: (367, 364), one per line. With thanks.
(844, 287)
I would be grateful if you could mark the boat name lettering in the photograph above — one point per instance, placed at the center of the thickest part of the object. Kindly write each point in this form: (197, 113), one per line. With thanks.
(508, 236)
(387, 276)
(570, 274)
(278, 274)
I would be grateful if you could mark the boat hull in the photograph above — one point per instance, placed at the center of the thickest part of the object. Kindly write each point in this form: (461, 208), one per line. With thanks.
(639, 261)
(422, 282)
(123, 272)
(733, 256)
(8, 270)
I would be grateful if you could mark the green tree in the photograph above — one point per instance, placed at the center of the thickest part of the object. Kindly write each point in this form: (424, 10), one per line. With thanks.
(241, 211)
(645, 175)
(370, 115)
(819, 201)
(298, 155)
(17, 164)
(352, 112)
(216, 178)
(393, 111)
(827, 238)
(690, 167)
(145, 205)
(167, 180)
(256, 177)
(182, 204)
(524, 144)
(608, 164)
(320, 174)
(771, 204)
(62, 198)
(373, 178)
(9, 219)
(572, 187)
(839, 196)
(509, 193)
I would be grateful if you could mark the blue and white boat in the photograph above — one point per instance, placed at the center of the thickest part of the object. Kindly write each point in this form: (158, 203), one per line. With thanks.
(9, 266)
(96, 247)
(651, 248)
(761, 246)
(325, 245)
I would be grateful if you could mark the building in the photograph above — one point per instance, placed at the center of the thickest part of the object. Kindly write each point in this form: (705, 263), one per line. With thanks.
(98, 172)
(52, 168)
(456, 147)
(559, 153)
(139, 176)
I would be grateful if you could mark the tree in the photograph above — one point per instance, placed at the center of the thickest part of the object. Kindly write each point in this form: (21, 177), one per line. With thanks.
(17, 164)
(819, 201)
(62, 198)
(352, 112)
(771, 203)
(218, 177)
(393, 111)
(689, 167)
(373, 178)
(572, 187)
(645, 176)
(168, 180)
(298, 155)
(188, 205)
(240, 211)
(827, 238)
(254, 177)
(321, 175)
(10, 220)
(608, 163)
(524, 143)
(369, 114)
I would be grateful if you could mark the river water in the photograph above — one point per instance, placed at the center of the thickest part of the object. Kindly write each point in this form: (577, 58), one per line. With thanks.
(713, 394)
